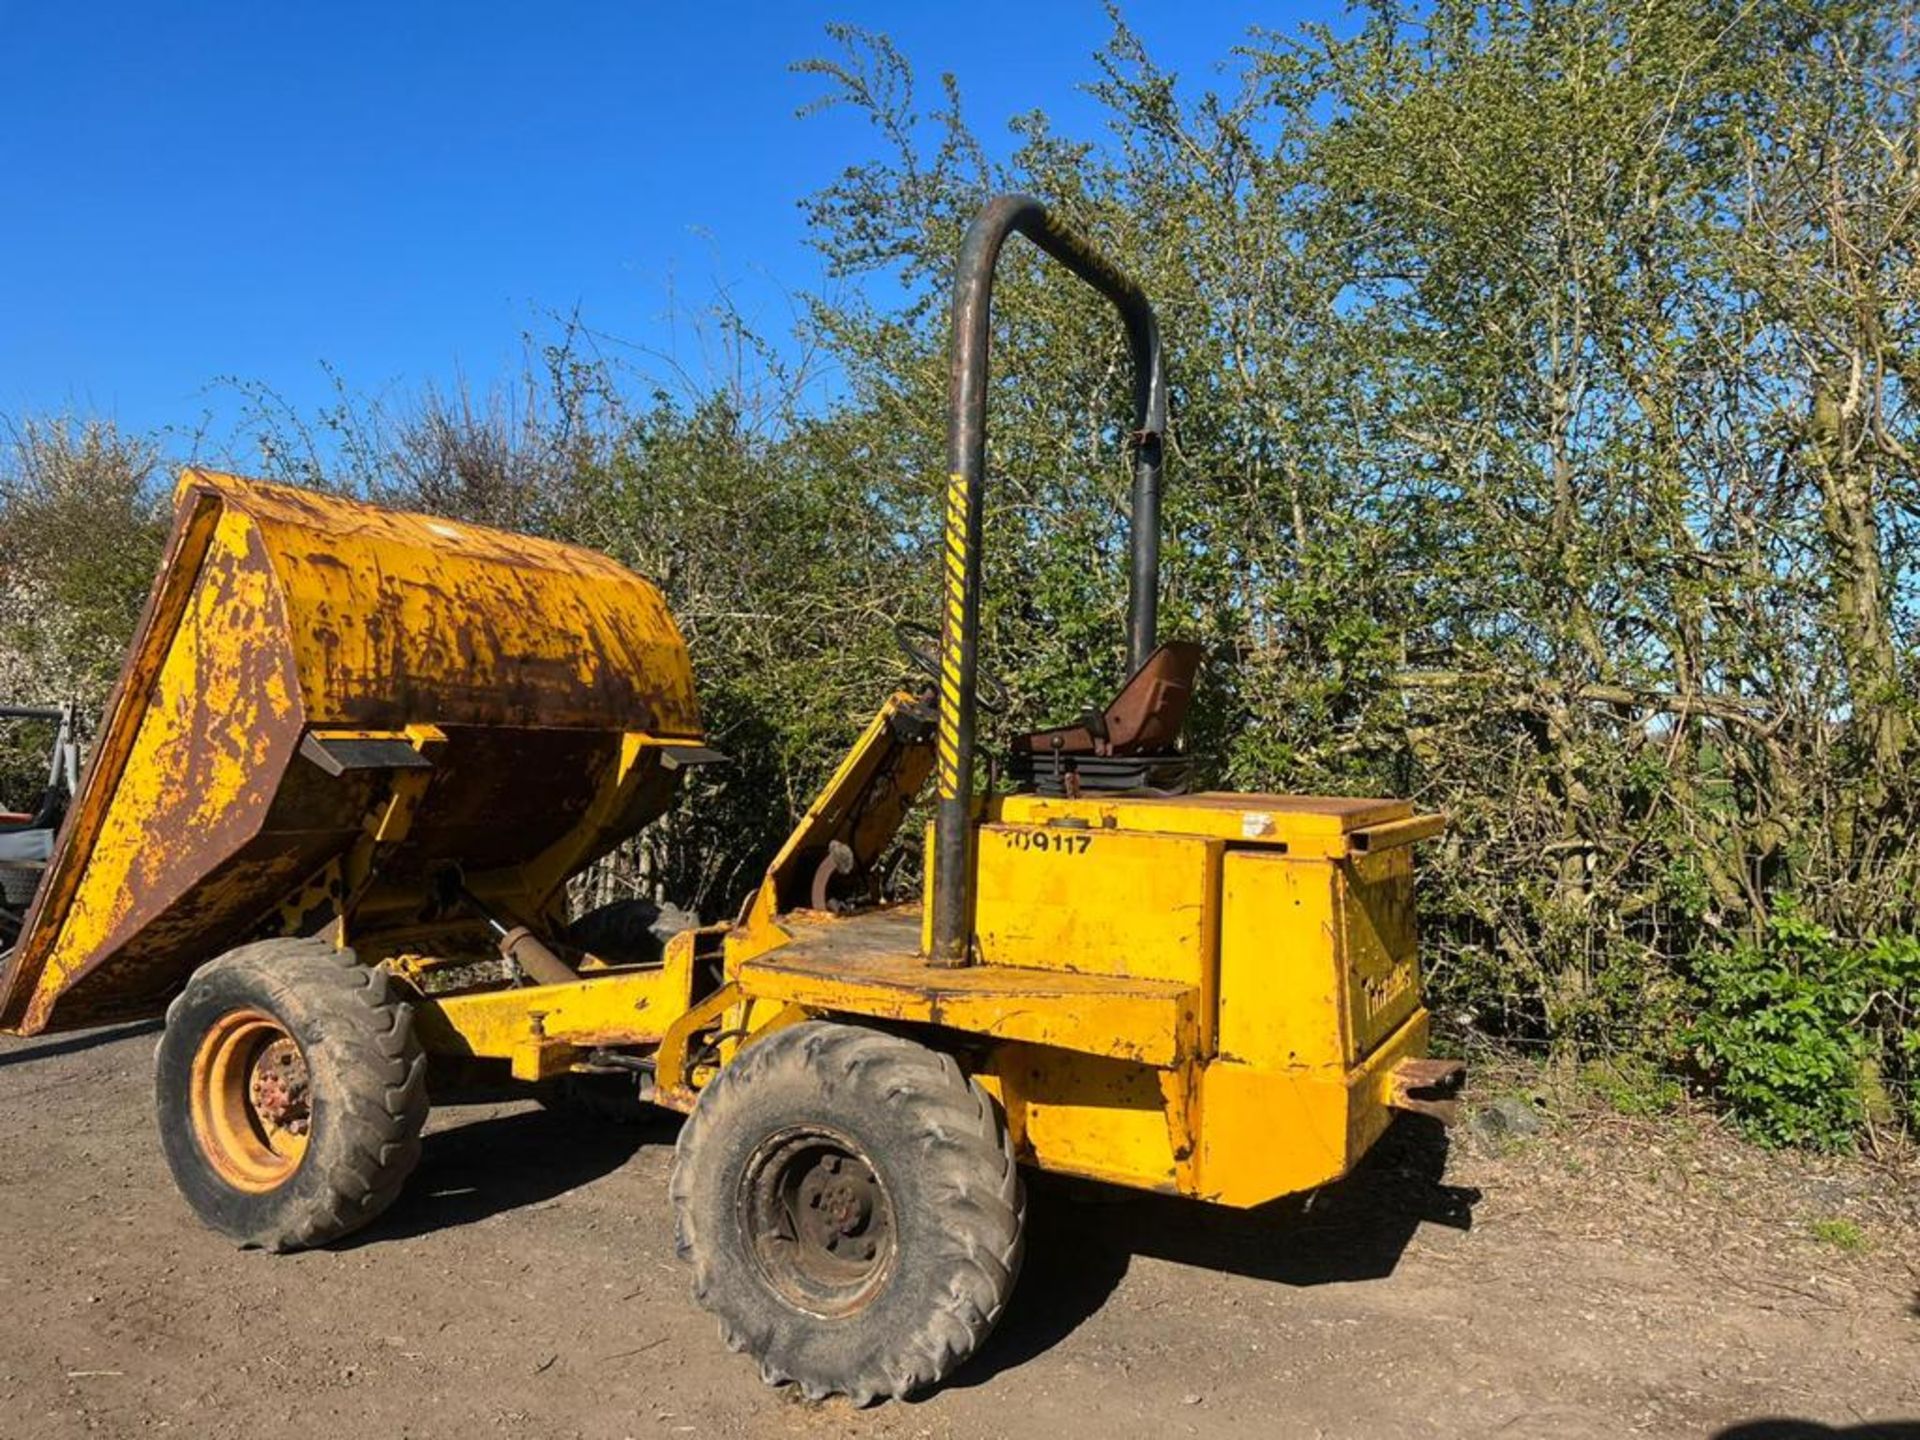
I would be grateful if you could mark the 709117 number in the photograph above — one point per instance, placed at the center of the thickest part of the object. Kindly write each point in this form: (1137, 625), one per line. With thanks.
(1049, 842)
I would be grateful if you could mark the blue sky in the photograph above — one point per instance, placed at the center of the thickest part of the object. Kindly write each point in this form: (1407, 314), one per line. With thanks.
(400, 191)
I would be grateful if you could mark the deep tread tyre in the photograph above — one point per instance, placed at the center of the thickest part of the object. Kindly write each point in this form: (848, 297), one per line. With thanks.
(621, 932)
(366, 1091)
(926, 1137)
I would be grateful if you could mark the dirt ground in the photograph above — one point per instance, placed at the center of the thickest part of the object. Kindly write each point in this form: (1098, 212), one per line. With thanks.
(1606, 1278)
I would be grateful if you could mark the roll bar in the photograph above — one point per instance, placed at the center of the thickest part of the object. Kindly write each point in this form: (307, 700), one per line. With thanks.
(966, 466)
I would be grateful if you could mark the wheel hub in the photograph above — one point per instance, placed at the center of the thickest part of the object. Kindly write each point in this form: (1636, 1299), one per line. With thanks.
(279, 1087)
(251, 1100)
(840, 1196)
(819, 1221)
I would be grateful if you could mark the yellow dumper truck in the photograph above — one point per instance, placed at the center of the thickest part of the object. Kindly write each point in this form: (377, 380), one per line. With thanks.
(355, 756)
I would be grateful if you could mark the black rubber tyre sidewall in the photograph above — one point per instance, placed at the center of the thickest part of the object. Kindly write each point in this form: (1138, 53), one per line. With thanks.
(620, 932)
(933, 1193)
(364, 1133)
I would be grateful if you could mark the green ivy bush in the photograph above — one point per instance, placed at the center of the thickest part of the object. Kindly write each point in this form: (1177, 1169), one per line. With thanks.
(1805, 1035)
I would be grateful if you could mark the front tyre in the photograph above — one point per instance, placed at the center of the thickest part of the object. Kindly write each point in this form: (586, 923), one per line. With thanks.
(291, 1092)
(851, 1208)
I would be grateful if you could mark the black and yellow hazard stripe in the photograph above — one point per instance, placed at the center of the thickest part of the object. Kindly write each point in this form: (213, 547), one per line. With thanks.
(952, 631)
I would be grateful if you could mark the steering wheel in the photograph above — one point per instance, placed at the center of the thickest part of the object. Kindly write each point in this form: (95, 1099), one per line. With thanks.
(920, 644)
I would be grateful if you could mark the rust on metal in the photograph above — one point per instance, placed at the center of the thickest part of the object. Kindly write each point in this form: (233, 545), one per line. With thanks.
(533, 666)
(281, 1087)
(1147, 715)
(1428, 1087)
(540, 965)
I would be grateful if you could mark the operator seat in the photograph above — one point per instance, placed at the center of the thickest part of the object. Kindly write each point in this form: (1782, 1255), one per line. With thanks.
(1133, 744)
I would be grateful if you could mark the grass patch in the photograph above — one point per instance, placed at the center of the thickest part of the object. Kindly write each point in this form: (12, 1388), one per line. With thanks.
(1841, 1234)
(1631, 1086)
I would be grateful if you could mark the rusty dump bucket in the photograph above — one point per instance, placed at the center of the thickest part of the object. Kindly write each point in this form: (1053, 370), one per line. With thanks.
(299, 656)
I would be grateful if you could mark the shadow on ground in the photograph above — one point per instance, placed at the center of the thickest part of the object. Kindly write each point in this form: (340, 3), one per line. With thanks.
(75, 1044)
(1081, 1239)
(506, 1162)
(1811, 1430)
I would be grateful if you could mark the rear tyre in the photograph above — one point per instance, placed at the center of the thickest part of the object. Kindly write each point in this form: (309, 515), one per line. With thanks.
(851, 1208)
(291, 1092)
(622, 932)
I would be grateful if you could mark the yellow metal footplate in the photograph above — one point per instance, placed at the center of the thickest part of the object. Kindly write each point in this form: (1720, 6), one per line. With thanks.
(871, 965)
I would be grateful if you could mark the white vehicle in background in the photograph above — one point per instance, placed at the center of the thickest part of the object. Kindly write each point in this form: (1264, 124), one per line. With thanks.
(26, 836)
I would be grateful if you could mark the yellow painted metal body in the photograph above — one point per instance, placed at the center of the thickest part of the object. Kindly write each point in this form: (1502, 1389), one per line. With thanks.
(535, 681)
(1295, 932)
(1206, 995)
(540, 1029)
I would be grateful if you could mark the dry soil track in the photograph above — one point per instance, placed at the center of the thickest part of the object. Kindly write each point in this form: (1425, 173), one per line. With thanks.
(1605, 1280)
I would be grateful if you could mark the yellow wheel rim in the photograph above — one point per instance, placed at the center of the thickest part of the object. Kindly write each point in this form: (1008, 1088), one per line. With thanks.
(252, 1100)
